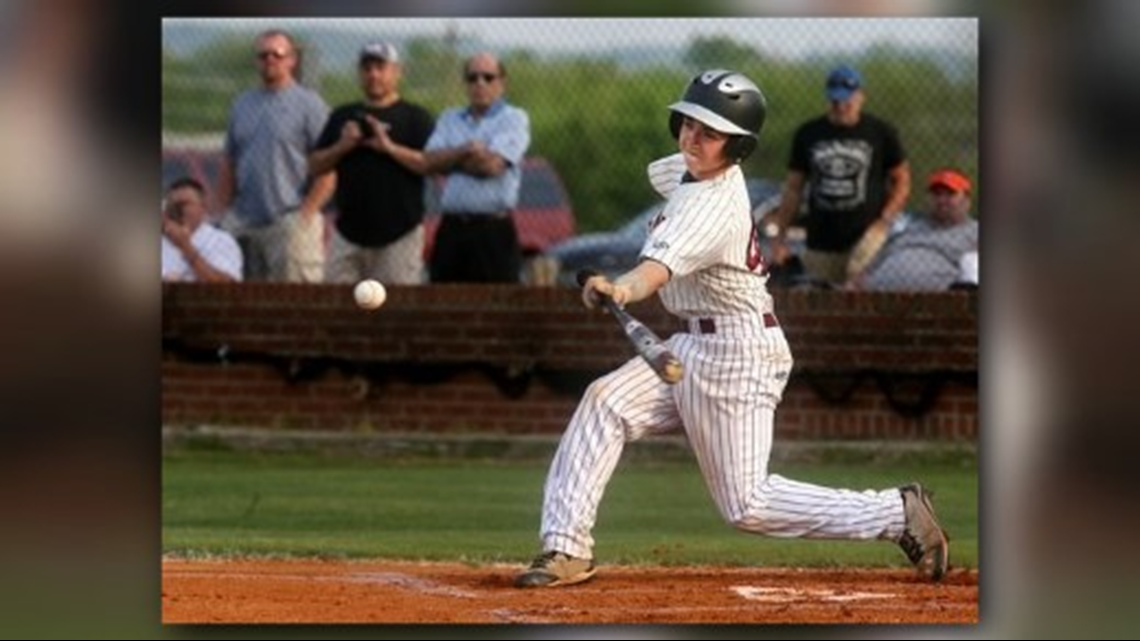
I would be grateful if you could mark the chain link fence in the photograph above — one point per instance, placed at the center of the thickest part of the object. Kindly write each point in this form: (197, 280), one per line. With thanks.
(596, 91)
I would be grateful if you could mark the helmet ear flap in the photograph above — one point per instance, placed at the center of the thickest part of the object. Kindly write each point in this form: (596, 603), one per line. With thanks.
(675, 121)
(740, 147)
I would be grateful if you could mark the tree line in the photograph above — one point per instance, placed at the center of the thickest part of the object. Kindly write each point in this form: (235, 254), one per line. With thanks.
(600, 123)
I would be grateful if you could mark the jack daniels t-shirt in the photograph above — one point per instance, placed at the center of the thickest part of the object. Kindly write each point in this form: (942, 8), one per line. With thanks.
(846, 170)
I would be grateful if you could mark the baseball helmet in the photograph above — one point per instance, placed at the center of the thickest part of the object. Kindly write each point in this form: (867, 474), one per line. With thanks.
(726, 101)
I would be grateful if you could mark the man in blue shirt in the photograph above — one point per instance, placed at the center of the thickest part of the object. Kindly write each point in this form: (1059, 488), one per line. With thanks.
(480, 148)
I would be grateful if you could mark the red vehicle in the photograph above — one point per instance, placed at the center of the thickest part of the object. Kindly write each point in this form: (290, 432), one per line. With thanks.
(198, 158)
(543, 217)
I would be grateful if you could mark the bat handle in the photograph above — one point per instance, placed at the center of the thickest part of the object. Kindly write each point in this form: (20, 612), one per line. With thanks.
(586, 274)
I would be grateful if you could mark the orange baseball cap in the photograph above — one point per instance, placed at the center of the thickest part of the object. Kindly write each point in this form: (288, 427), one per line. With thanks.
(950, 179)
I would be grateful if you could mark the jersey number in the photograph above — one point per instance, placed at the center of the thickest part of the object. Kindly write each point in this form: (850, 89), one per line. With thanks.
(755, 258)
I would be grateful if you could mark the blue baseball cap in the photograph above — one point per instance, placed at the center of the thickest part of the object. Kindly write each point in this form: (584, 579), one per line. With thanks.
(842, 82)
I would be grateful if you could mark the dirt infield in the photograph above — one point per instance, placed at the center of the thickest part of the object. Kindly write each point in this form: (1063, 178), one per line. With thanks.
(258, 591)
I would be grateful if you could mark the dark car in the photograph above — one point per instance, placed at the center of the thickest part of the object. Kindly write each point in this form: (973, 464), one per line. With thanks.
(618, 251)
(543, 217)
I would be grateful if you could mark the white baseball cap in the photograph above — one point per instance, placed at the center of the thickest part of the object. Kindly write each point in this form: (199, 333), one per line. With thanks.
(384, 51)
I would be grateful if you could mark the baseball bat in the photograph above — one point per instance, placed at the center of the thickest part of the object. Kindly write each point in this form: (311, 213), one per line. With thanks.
(648, 345)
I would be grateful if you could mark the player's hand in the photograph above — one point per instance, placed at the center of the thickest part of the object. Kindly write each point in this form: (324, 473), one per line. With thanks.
(590, 291)
(601, 285)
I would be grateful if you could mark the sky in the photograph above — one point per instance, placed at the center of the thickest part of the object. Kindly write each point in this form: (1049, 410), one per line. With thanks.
(785, 37)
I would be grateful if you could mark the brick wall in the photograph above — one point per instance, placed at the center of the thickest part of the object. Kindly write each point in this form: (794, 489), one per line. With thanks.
(514, 359)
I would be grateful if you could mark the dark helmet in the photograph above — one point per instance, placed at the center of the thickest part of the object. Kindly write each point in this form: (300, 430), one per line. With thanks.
(726, 101)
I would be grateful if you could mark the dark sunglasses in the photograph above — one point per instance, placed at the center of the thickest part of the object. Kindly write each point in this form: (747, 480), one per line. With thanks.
(276, 54)
(474, 76)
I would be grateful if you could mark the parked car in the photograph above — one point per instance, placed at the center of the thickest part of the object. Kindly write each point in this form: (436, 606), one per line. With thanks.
(199, 157)
(618, 251)
(543, 217)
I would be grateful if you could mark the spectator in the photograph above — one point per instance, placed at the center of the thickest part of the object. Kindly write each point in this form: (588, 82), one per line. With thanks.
(932, 252)
(480, 147)
(858, 177)
(192, 248)
(274, 212)
(375, 146)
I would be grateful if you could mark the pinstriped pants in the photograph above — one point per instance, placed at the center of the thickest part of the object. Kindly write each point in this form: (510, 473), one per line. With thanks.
(726, 403)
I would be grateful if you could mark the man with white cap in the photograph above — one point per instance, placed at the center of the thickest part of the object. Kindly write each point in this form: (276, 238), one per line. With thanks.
(376, 148)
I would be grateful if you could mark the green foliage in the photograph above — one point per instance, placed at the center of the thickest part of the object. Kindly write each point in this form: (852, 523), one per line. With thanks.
(229, 503)
(718, 52)
(600, 123)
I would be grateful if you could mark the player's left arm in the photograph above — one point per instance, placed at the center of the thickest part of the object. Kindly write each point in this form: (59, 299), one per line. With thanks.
(637, 284)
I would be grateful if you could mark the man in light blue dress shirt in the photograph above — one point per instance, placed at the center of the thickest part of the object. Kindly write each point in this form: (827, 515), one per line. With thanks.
(480, 148)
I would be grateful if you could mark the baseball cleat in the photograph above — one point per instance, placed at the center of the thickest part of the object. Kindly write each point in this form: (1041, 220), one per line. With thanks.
(553, 569)
(923, 540)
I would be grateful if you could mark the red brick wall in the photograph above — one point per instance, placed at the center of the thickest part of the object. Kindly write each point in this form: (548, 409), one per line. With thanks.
(513, 359)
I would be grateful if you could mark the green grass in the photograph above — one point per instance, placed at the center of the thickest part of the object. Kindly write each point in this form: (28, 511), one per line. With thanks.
(232, 503)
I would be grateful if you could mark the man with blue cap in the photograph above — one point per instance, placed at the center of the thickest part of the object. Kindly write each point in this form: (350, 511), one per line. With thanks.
(858, 177)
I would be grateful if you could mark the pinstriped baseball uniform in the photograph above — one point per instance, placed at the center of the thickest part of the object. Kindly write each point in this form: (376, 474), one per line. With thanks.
(736, 363)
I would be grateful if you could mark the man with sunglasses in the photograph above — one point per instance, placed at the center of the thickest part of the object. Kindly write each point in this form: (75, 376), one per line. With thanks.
(274, 210)
(480, 148)
(858, 177)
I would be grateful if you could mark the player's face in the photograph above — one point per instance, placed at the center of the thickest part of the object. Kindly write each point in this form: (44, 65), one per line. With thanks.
(703, 149)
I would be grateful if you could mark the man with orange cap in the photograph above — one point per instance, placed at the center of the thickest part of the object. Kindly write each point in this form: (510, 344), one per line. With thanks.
(929, 253)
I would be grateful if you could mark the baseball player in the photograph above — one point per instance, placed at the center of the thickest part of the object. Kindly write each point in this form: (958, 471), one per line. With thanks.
(702, 256)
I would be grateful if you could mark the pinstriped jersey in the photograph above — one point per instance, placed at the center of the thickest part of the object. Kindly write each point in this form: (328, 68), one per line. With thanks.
(705, 236)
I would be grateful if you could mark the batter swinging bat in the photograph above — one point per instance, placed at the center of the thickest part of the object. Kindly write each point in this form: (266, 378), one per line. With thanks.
(647, 344)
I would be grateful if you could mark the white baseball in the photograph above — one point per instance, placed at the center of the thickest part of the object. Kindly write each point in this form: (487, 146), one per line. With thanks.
(370, 294)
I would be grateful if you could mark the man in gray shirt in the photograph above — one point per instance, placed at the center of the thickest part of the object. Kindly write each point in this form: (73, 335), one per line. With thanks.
(274, 211)
(927, 254)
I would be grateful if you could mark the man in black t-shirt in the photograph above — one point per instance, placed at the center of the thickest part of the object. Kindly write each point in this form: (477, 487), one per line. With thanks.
(858, 178)
(376, 148)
